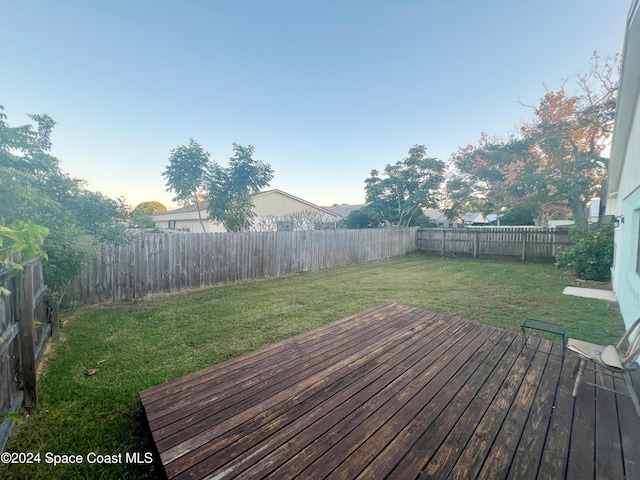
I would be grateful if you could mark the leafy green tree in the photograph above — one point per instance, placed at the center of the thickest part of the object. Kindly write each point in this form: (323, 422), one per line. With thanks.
(231, 189)
(34, 190)
(22, 158)
(364, 217)
(186, 174)
(518, 215)
(141, 220)
(556, 159)
(150, 208)
(398, 195)
(23, 238)
(141, 216)
(591, 255)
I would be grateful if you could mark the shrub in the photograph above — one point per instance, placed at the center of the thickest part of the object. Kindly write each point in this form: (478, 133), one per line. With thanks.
(591, 256)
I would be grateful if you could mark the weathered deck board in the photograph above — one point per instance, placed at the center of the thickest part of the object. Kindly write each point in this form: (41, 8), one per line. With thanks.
(394, 392)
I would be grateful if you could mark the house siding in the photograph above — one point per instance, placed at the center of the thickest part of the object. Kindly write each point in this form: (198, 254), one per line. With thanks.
(268, 204)
(276, 204)
(623, 194)
(626, 279)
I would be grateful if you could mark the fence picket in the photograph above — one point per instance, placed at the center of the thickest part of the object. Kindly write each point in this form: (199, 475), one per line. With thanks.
(157, 263)
(541, 244)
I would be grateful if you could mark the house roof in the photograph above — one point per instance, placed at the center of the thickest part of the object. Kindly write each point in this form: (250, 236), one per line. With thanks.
(474, 217)
(436, 215)
(187, 209)
(344, 210)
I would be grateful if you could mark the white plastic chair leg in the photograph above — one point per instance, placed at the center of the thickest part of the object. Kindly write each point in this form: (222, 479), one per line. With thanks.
(581, 366)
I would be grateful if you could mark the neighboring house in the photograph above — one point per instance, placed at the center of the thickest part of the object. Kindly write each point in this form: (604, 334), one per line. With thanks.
(439, 218)
(473, 218)
(268, 207)
(593, 210)
(623, 191)
(343, 211)
(185, 219)
(560, 223)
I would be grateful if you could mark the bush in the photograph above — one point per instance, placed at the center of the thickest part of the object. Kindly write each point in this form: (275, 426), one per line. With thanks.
(591, 256)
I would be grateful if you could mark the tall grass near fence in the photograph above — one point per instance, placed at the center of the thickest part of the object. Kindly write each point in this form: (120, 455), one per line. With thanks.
(163, 263)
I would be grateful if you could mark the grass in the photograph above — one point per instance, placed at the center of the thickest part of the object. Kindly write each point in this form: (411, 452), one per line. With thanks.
(143, 343)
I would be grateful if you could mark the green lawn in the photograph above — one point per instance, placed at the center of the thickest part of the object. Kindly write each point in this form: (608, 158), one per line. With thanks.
(139, 344)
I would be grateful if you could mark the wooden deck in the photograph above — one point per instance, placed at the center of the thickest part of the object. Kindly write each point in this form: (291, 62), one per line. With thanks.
(395, 392)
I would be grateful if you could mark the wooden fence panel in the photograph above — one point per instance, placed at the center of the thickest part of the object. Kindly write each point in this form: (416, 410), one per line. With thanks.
(162, 263)
(24, 329)
(541, 244)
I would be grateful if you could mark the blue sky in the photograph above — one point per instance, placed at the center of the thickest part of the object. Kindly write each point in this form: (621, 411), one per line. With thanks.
(326, 91)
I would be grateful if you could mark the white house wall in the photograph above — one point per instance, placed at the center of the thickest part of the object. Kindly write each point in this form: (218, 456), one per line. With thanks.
(623, 194)
(275, 204)
(626, 281)
(266, 205)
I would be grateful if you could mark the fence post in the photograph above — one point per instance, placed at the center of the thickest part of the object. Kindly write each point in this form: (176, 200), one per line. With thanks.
(55, 321)
(443, 240)
(524, 245)
(27, 346)
(475, 244)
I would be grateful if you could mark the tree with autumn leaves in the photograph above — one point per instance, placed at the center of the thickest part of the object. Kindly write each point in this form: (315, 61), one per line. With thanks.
(554, 161)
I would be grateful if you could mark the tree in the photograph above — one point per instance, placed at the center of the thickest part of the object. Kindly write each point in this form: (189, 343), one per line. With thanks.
(591, 254)
(22, 158)
(554, 160)
(34, 191)
(364, 217)
(231, 189)
(150, 208)
(493, 176)
(398, 195)
(141, 216)
(23, 238)
(186, 174)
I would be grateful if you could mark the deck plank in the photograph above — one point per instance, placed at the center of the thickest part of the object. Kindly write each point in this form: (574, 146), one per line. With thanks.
(506, 441)
(338, 385)
(582, 444)
(360, 445)
(316, 382)
(276, 429)
(630, 433)
(473, 456)
(608, 451)
(553, 463)
(419, 454)
(394, 392)
(300, 451)
(227, 403)
(379, 455)
(535, 431)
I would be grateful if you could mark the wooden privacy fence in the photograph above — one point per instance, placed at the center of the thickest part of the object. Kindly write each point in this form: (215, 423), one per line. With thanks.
(541, 244)
(159, 263)
(24, 329)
